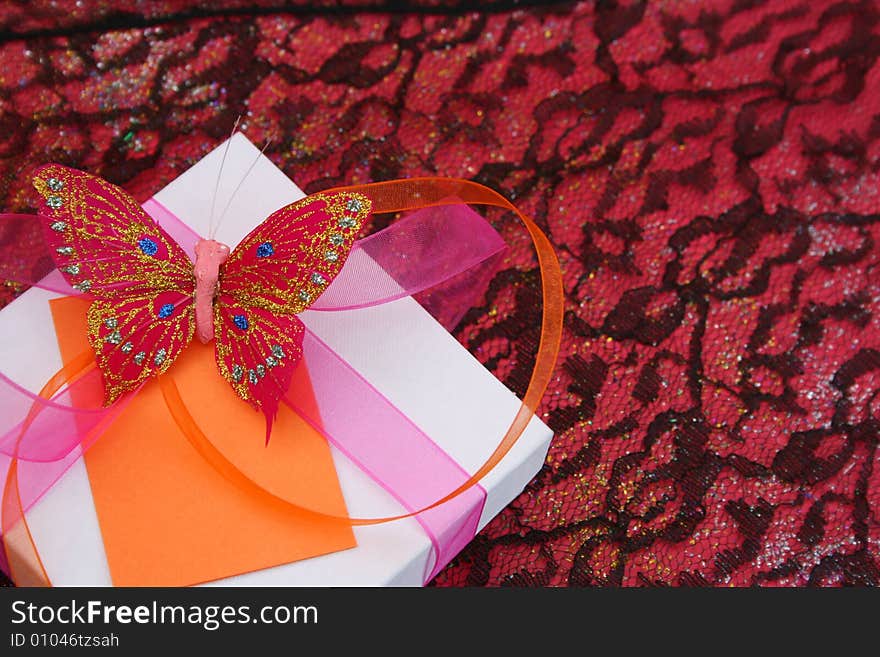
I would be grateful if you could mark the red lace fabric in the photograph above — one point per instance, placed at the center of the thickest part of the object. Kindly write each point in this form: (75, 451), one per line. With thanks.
(708, 172)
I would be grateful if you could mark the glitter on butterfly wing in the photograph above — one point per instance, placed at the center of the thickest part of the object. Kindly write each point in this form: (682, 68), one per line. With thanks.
(122, 326)
(127, 252)
(257, 334)
(105, 244)
(254, 362)
(311, 239)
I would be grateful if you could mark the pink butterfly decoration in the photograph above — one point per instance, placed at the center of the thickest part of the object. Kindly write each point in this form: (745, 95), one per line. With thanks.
(150, 299)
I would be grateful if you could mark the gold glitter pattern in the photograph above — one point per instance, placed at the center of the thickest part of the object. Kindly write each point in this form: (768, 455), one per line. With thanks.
(97, 227)
(276, 272)
(311, 236)
(103, 225)
(255, 347)
(134, 321)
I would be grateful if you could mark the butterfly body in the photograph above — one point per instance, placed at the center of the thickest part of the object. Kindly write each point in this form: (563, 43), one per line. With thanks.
(150, 299)
(210, 256)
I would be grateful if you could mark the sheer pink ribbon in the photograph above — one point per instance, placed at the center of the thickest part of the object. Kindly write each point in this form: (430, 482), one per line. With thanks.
(446, 254)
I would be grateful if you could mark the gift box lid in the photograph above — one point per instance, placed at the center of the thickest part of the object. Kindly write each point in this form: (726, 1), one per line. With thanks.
(398, 347)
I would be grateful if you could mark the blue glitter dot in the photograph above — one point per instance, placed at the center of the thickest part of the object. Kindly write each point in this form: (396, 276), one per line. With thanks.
(166, 310)
(148, 246)
(241, 322)
(265, 250)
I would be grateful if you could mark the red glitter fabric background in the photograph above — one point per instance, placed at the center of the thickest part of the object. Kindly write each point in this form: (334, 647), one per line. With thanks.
(708, 172)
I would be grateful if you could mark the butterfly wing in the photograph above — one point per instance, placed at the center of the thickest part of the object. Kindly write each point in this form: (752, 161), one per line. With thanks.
(257, 357)
(106, 245)
(276, 272)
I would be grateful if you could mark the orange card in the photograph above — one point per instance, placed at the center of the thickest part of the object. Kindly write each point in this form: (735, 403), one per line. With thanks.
(167, 517)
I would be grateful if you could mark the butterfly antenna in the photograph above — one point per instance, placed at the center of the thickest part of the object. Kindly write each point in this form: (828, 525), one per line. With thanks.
(211, 229)
(240, 183)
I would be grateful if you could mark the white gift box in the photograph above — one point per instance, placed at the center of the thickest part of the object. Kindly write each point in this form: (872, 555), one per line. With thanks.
(410, 354)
